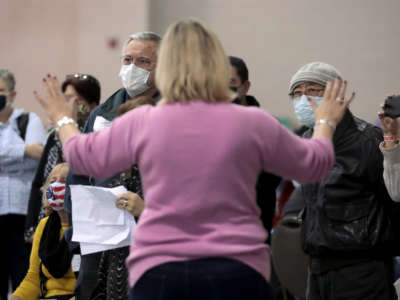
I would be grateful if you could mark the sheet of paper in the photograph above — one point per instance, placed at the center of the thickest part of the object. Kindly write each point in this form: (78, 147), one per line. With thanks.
(76, 262)
(96, 219)
(97, 204)
(88, 248)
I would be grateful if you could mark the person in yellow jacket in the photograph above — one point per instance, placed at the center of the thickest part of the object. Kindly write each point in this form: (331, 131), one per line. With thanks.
(50, 274)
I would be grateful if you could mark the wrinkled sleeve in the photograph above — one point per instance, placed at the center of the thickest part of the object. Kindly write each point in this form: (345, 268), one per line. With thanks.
(391, 171)
(292, 157)
(12, 150)
(104, 153)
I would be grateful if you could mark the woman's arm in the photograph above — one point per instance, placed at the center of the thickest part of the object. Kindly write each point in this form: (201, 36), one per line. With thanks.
(100, 154)
(391, 154)
(391, 170)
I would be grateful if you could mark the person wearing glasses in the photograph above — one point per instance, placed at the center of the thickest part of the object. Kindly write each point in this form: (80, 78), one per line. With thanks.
(345, 230)
(85, 91)
(138, 62)
(22, 136)
(200, 234)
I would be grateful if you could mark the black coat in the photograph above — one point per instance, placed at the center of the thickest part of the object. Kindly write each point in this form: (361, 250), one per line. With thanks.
(347, 212)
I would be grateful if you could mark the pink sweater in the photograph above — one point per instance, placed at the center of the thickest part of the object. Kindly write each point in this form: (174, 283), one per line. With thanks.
(199, 164)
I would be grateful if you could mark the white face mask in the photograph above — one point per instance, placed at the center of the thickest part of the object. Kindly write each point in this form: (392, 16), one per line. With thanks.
(134, 79)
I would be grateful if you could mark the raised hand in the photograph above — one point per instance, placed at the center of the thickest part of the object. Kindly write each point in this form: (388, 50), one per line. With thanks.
(55, 105)
(334, 104)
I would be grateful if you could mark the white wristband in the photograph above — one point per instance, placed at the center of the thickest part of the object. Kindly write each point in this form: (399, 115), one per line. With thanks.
(64, 121)
(331, 123)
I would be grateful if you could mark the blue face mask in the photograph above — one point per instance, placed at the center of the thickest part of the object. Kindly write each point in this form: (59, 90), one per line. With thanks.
(304, 111)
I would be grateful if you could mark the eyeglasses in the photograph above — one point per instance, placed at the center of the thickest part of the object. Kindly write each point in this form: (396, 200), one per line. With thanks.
(139, 62)
(311, 91)
(82, 77)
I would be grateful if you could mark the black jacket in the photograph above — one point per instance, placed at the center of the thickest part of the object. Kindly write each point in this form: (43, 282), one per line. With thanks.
(35, 197)
(347, 212)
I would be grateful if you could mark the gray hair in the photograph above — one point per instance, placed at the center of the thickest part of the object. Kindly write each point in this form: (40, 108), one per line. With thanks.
(8, 78)
(142, 36)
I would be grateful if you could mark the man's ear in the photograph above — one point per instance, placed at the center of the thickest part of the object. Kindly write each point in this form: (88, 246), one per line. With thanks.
(247, 85)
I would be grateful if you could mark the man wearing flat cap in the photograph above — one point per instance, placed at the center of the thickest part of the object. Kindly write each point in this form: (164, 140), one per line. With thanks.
(345, 228)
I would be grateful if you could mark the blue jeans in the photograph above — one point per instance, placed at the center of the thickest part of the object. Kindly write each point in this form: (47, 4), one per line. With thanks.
(205, 279)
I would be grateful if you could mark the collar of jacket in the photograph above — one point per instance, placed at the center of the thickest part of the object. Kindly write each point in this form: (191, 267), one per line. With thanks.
(342, 127)
(251, 101)
(108, 108)
(345, 123)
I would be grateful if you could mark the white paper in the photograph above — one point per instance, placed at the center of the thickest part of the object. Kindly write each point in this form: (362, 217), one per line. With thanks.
(98, 224)
(97, 204)
(101, 123)
(397, 287)
(76, 263)
(88, 248)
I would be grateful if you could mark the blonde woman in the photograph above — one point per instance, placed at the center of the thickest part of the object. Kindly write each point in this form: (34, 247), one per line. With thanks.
(50, 274)
(200, 234)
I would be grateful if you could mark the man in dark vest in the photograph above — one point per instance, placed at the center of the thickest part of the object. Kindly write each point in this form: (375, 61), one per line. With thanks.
(139, 58)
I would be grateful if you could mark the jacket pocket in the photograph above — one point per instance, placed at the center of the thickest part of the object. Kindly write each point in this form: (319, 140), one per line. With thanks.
(351, 226)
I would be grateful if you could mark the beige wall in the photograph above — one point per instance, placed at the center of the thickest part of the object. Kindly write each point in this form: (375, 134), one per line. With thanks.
(63, 37)
(360, 37)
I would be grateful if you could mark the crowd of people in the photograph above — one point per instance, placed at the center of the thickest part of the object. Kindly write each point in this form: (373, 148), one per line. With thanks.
(208, 174)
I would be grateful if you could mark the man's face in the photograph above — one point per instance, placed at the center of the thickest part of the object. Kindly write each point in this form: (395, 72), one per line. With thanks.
(5, 92)
(237, 85)
(144, 55)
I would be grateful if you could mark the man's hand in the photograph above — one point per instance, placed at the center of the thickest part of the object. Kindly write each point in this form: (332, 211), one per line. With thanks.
(34, 151)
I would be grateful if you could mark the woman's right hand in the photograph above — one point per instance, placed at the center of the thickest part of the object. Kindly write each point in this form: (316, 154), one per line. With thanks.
(334, 104)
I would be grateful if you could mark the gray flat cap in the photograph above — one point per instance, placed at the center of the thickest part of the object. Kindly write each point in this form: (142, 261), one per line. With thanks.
(317, 72)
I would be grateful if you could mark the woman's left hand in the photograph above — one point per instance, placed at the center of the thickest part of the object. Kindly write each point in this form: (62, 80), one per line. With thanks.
(131, 202)
(389, 126)
(55, 105)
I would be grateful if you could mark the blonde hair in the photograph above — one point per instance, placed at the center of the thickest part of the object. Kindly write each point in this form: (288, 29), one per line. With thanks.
(57, 169)
(192, 65)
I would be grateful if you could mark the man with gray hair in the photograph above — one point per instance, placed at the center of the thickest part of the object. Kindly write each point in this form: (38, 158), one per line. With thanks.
(346, 229)
(138, 63)
(21, 144)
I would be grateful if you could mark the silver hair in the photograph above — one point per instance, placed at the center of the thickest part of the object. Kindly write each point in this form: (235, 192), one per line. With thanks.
(8, 78)
(142, 36)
